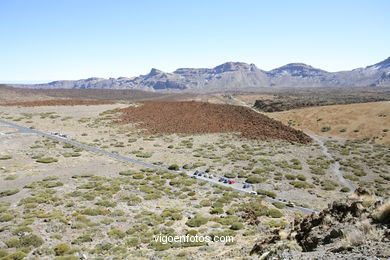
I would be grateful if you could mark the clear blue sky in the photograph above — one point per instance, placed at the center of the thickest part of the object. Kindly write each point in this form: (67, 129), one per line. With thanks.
(73, 39)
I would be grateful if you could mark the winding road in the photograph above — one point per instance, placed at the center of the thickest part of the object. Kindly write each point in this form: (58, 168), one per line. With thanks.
(335, 166)
(236, 186)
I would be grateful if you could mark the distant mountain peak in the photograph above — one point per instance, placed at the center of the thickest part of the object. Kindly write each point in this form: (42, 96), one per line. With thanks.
(381, 65)
(232, 66)
(154, 72)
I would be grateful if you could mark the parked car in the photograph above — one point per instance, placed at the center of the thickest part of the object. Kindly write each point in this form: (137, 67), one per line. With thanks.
(253, 193)
(196, 172)
(221, 179)
(193, 177)
(205, 175)
(199, 174)
(226, 181)
(211, 176)
(246, 185)
(232, 182)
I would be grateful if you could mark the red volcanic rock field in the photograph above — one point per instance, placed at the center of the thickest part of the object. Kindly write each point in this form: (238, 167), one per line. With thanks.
(204, 118)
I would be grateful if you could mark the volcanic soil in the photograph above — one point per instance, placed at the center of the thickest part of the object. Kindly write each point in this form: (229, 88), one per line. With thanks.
(57, 102)
(203, 118)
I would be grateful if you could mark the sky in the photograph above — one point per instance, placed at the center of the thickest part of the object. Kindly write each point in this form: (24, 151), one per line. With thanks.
(45, 40)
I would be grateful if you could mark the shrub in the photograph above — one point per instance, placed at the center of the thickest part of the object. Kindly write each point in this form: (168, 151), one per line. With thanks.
(278, 205)
(47, 160)
(61, 249)
(31, 240)
(328, 185)
(196, 222)
(254, 179)
(325, 129)
(95, 211)
(345, 189)
(106, 203)
(266, 193)
(20, 230)
(301, 177)
(67, 257)
(300, 184)
(237, 226)
(132, 242)
(5, 157)
(126, 173)
(274, 213)
(382, 214)
(12, 242)
(8, 192)
(5, 217)
(3, 252)
(174, 167)
(230, 175)
(290, 176)
(116, 233)
(205, 203)
(216, 211)
(18, 255)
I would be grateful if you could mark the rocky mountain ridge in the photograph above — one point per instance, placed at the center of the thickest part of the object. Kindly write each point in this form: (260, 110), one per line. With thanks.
(235, 75)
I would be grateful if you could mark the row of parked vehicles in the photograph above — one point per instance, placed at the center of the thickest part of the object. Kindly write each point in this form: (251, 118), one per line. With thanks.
(202, 174)
(226, 180)
(60, 135)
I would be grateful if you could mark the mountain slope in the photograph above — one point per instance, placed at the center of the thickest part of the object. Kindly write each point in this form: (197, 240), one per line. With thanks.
(235, 75)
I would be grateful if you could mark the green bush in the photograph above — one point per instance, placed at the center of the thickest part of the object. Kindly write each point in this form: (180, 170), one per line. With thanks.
(230, 175)
(278, 205)
(325, 129)
(254, 179)
(106, 203)
(95, 211)
(196, 222)
(300, 184)
(116, 233)
(8, 192)
(216, 211)
(31, 240)
(61, 249)
(266, 193)
(67, 257)
(174, 167)
(126, 173)
(20, 230)
(274, 213)
(5, 217)
(18, 255)
(47, 160)
(5, 157)
(290, 177)
(237, 226)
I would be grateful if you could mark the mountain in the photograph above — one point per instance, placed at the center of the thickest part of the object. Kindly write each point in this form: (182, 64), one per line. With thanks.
(235, 75)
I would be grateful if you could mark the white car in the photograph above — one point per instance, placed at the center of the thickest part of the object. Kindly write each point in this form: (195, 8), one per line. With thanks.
(253, 193)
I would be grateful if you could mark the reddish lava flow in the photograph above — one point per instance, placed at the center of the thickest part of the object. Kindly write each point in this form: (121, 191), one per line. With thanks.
(57, 102)
(202, 118)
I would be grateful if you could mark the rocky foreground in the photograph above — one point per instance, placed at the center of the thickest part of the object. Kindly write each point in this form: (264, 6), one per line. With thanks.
(357, 228)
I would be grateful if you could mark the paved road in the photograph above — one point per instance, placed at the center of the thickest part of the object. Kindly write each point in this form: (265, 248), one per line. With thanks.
(235, 186)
